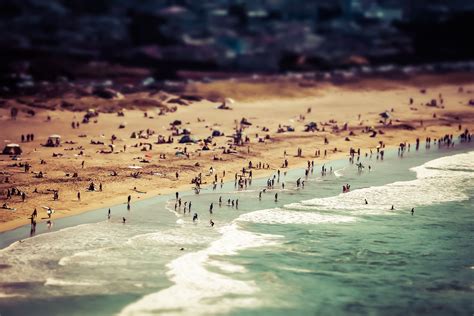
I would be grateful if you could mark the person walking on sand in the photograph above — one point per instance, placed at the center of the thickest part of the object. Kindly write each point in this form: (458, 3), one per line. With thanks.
(34, 214)
(78, 195)
(366, 201)
(129, 199)
(124, 220)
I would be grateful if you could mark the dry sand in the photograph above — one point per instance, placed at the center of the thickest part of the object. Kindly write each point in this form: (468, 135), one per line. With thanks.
(266, 104)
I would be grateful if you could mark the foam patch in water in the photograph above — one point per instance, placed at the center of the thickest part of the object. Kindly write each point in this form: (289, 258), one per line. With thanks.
(195, 286)
(281, 216)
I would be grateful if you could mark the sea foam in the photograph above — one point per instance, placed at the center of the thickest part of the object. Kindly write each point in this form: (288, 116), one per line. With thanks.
(196, 288)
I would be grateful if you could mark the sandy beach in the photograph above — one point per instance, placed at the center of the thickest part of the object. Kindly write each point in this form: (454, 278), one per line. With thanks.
(265, 104)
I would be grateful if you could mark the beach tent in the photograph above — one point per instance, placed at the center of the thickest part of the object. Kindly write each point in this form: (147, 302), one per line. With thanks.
(12, 149)
(186, 139)
(53, 141)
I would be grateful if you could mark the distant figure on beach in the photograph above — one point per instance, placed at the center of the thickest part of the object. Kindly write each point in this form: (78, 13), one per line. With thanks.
(366, 201)
(412, 211)
(260, 195)
(276, 197)
(212, 223)
(392, 208)
(195, 217)
(108, 215)
(124, 220)
(129, 199)
(211, 207)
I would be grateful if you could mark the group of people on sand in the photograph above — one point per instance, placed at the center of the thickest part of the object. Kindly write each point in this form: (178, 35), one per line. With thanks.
(27, 137)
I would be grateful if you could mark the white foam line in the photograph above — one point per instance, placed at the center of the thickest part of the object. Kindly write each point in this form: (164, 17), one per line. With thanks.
(195, 286)
(280, 216)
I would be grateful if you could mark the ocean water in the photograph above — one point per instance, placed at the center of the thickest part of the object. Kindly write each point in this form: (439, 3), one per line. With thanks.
(316, 251)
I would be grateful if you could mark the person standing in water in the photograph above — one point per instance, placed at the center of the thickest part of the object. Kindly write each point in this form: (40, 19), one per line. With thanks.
(260, 195)
(211, 222)
(124, 220)
(195, 217)
(211, 207)
(276, 197)
(108, 215)
(412, 211)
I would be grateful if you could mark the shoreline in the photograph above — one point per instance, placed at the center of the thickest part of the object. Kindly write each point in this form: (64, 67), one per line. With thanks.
(389, 153)
(329, 102)
(10, 226)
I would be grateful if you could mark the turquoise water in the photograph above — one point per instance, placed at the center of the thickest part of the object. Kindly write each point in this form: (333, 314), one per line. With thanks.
(314, 252)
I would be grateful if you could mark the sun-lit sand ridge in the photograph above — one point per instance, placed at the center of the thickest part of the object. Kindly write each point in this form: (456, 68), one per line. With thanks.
(264, 105)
